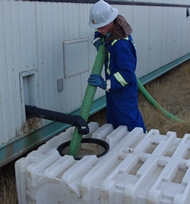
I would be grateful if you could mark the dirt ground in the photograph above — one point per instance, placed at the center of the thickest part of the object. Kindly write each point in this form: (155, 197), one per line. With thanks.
(171, 91)
(8, 193)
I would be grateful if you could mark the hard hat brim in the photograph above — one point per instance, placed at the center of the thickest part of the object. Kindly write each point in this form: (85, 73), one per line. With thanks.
(99, 25)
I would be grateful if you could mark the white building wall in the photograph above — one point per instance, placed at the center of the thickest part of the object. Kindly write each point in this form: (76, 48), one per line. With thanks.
(36, 36)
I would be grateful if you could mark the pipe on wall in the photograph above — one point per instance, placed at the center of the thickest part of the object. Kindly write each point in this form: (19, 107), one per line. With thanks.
(74, 120)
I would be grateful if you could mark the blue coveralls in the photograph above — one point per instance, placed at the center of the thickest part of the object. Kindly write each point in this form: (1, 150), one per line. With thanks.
(122, 98)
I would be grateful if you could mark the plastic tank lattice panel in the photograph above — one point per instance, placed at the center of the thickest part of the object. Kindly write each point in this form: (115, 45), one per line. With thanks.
(138, 169)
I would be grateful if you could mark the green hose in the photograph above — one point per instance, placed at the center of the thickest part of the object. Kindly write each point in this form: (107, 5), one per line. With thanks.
(155, 104)
(89, 97)
(87, 101)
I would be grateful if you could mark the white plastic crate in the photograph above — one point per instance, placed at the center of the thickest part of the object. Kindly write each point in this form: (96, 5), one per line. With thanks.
(138, 169)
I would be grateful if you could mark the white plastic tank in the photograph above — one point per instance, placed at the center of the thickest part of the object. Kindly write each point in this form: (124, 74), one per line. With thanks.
(138, 169)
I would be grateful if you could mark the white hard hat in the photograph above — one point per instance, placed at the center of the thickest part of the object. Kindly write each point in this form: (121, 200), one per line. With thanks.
(101, 14)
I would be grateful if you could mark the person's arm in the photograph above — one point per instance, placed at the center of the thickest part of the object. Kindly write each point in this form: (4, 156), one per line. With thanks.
(125, 62)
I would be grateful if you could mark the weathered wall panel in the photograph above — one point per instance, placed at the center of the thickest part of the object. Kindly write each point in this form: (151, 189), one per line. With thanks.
(167, 36)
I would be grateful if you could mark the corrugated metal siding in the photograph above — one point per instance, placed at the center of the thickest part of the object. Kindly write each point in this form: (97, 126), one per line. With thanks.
(60, 22)
(161, 34)
(31, 39)
(32, 36)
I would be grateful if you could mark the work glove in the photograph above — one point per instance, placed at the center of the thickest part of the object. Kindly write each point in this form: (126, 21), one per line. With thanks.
(97, 80)
(97, 42)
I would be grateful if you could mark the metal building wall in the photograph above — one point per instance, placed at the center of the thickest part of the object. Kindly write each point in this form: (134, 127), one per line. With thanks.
(43, 43)
(161, 34)
(31, 38)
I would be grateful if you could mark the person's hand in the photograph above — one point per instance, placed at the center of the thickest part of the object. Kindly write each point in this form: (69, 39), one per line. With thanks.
(97, 42)
(97, 80)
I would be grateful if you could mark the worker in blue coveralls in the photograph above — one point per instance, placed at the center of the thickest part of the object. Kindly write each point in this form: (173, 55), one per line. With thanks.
(121, 85)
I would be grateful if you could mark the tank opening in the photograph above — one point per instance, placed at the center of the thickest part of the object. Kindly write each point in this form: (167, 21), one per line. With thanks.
(89, 146)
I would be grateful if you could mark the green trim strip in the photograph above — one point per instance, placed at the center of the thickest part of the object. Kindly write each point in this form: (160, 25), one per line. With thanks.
(153, 75)
(24, 144)
(19, 146)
